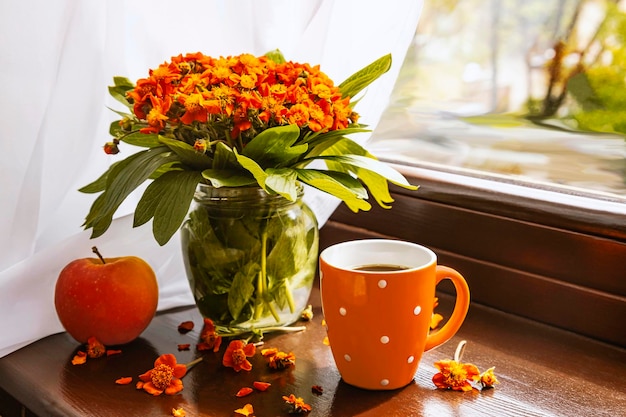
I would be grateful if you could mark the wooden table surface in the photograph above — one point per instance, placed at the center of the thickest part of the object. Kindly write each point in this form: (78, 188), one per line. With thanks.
(543, 372)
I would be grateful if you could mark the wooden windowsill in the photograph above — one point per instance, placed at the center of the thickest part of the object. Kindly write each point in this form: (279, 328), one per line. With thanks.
(543, 371)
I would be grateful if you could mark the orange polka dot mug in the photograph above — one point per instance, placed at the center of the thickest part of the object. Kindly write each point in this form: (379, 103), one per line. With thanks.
(377, 300)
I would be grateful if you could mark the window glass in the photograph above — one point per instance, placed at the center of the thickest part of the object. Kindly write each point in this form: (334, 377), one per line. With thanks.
(532, 89)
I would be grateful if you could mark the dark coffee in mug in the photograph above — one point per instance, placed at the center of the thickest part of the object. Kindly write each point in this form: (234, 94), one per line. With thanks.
(380, 268)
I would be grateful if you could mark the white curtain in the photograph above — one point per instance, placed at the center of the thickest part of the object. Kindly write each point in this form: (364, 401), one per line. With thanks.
(56, 61)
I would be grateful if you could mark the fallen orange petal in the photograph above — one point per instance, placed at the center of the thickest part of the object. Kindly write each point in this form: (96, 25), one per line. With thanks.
(184, 346)
(124, 381)
(261, 386)
(185, 326)
(80, 358)
(244, 391)
(111, 352)
(246, 410)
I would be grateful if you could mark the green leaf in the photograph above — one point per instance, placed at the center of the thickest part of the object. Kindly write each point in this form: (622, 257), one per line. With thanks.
(341, 185)
(227, 178)
(141, 139)
(224, 157)
(187, 154)
(242, 288)
(121, 180)
(118, 91)
(272, 147)
(364, 77)
(283, 181)
(99, 184)
(254, 169)
(373, 165)
(167, 200)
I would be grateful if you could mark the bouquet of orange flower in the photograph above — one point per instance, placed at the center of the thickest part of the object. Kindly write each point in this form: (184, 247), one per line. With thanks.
(232, 122)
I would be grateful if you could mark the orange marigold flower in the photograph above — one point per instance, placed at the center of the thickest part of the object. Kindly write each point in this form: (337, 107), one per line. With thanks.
(281, 360)
(95, 349)
(488, 378)
(185, 327)
(124, 380)
(296, 404)
(236, 355)
(164, 377)
(209, 337)
(244, 391)
(454, 375)
(246, 410)
(80, 358)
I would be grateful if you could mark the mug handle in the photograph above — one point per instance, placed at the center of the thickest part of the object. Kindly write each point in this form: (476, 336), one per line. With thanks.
(461, 306)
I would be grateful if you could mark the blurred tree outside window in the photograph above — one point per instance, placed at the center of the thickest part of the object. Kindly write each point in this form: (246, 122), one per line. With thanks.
(533, 89)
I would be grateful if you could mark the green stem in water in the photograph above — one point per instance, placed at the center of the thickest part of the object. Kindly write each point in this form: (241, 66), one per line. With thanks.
(289, 295)
(258, 308)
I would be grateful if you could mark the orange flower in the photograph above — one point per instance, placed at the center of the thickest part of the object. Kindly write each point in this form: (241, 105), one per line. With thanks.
(488, 378)
(164, 377)
(95, 349)
(209, 337)
(246, 410)
(236, 355)
(296, 404)
(454, 375)
(280, 360)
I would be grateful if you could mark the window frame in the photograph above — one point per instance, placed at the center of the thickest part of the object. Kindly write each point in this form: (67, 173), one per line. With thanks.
(555, 257)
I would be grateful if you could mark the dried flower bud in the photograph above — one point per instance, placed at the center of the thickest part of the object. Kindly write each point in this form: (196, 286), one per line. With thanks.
(110, 148)
(200, 145)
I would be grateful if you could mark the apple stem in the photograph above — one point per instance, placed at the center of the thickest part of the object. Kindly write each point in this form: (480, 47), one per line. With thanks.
(97, 252)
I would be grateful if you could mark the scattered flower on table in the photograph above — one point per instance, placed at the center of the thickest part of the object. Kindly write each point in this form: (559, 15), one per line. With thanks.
(455, 376)
(185, 327)
(317, 389)
(209, 339)
(488, 378)
(278, 359)
(111, 352)
(95, 349)
(164, 377)
(184, 346)
(296, 404)
(236, 355)
(436, 318)
(307, 313)
(246, 410)
(458, 376)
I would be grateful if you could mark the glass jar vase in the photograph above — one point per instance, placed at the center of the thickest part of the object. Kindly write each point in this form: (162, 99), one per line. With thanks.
(250, 257)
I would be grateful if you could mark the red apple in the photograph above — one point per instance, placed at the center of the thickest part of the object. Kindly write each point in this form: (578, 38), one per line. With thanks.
(112, 299)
